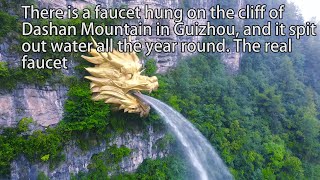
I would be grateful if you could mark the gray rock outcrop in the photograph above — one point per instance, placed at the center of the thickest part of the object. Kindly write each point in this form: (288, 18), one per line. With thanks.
(142, 145)
(43, 104)
(165, 61)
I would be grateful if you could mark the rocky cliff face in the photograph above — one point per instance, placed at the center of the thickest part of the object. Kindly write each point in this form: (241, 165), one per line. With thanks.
(164, 60)
(45, 104)
(232, 59)
(22, 101)
(142, 145)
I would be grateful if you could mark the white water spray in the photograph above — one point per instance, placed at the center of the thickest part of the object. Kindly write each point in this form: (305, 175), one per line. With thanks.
(201, 154)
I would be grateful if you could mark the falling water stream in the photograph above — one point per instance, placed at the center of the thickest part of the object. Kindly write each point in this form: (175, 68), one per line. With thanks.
(201, 154)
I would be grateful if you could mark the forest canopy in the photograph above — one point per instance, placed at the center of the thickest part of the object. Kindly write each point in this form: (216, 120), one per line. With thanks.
(263, 119)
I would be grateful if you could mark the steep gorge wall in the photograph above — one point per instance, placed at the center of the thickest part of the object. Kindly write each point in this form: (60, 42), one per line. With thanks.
(45, 104)
(233, 58)
(23, 100)
(143, 145)
(164, 60)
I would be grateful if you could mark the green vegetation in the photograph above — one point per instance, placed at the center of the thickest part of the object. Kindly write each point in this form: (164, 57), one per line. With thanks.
(81, 113)
(165, 141)
(260, 129)
(10, 77)
(105, 163)
(150, 67)
(35, 146)
(86, 122)
(8, 24)
(11, 28)
(165, 168)
(42, 176)
(263, 121)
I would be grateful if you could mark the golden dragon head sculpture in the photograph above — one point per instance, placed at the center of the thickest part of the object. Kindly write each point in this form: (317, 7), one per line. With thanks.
(115, 76)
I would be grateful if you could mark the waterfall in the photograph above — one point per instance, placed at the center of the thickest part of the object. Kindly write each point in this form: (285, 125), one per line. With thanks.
(203, 157)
